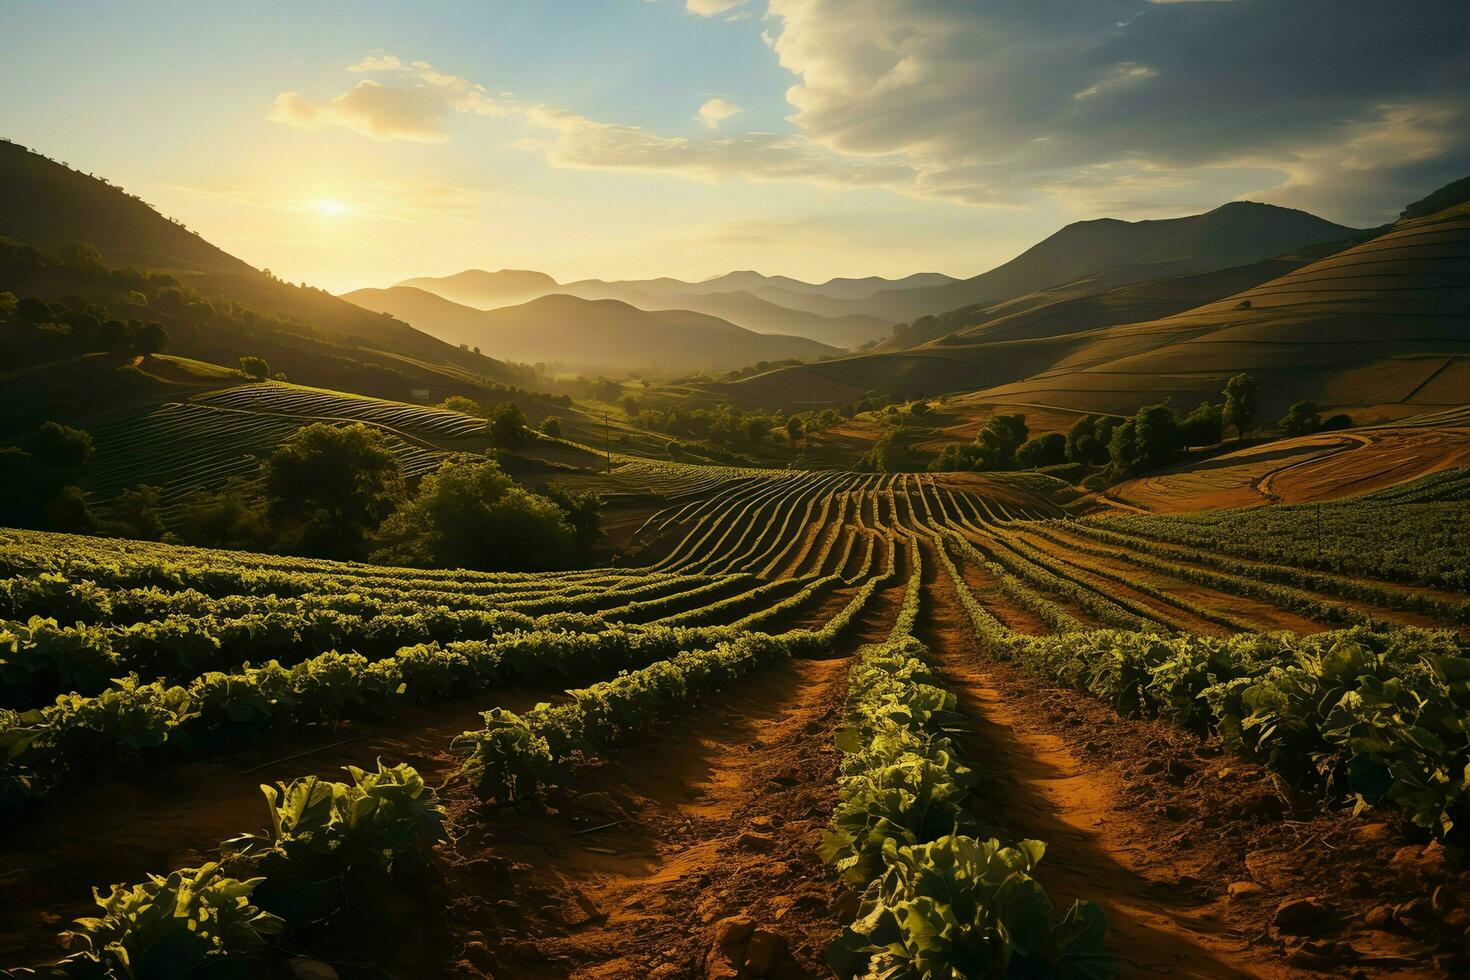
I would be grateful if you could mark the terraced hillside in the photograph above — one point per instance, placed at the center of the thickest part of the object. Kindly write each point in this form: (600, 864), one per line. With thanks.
(816, 692)
(1380, 324)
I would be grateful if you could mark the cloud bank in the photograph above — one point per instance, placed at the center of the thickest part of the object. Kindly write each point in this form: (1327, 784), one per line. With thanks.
(1110, 106)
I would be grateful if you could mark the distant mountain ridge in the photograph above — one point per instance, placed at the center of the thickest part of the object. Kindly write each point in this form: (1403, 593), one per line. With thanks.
(743, 298)
(590, 335)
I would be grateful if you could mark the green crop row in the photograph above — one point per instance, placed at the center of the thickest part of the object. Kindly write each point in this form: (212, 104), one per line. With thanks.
(1375, 716)
(135, 723)
(935, 902)
(272, 891)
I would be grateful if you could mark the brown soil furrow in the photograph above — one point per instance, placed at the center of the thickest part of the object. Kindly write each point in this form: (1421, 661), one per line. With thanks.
(1155, 825)
(176, 816)
(1270, 617)
(720, 818)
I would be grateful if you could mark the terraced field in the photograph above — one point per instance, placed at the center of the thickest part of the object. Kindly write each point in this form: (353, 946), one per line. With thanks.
(819, 697)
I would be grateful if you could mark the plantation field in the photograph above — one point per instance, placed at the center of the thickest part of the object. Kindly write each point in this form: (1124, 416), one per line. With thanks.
(817, 696)
(1320, 467)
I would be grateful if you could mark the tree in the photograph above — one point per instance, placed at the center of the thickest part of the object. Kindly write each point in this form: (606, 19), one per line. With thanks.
(135, 514)
(507, 426)
(80, 255)
(463, 405)
(1147, 440)
(42, 480)
(551, 426)
(327, 486)
(60, 446)
(795, 429)
(8, 305)
(469, 514)
(1302, 418)
(255, 367)
(755, 430)
(116, 336)
(1046, 450)
(998, 440)
(889, 455)
(150, 338)
(1083, 444)
(1240, 404)
(583, 510)
(1203, 426)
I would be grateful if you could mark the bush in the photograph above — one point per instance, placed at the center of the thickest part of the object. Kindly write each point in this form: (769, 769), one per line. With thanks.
(1046, 450)
(551, 426)
(255, 367)
(327, 486)
(507, 427)
(469, 514)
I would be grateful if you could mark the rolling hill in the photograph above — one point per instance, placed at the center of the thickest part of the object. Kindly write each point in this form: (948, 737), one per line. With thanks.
(230, 309)
(736, 296)
(591, 334)
(1381, 322)
(1233, 234)
(486, 290)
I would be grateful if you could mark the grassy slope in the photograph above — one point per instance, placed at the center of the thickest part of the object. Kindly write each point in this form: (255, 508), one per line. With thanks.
(46, 205)
(1380, 322)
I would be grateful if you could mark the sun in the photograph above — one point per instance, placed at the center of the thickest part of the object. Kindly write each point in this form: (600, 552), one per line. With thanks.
(331, 207)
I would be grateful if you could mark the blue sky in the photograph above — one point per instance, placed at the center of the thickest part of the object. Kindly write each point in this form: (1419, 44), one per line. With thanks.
(843, 137)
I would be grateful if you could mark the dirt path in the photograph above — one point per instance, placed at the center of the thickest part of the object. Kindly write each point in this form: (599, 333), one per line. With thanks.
(1033, 785)
(1189, 850)
(632, 873)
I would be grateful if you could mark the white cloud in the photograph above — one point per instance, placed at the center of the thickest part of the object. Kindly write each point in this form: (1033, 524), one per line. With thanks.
(717, 110)
(585, 143)
(412, 109)
(709, 8)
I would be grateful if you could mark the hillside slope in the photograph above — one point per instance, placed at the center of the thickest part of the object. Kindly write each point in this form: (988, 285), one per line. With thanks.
(307, 332)
(1234, 234)
(1386, 321)
(735, 296)
(591, 335)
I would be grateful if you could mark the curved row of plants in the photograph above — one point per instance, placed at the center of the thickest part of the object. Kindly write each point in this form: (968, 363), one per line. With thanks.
(936, 900)
(1375, 716)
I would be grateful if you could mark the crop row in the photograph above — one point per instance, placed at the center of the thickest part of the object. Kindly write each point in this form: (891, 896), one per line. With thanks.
(935, 901)
(136, 723)
(273, 890)
(1388, 596)
(1376, 716)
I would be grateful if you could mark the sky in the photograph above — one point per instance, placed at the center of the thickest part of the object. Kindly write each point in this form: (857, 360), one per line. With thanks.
(350, 144)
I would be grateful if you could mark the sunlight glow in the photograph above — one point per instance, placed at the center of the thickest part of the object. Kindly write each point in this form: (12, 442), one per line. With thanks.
(330, 207)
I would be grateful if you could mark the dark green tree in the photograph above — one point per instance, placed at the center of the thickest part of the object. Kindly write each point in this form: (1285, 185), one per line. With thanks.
(328, 486)
(1202, 427)
(1302, 418)
(469, 514)
(150, 338)
(507, 426)
(1044, 450)
(255, 367)
(1240, 404)
(551, 426)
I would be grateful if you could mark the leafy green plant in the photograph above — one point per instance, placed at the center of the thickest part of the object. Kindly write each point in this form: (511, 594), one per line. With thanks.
(197, 922)
(961, 907)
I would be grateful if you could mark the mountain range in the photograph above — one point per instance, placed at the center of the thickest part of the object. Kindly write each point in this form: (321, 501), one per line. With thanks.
(591, 335)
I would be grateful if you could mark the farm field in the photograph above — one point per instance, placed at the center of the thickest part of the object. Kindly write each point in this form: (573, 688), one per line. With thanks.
(694, 762)
(1306, 469)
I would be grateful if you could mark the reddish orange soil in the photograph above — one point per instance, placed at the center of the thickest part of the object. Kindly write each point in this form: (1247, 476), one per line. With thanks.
(1190, 851)
(1310, 468)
